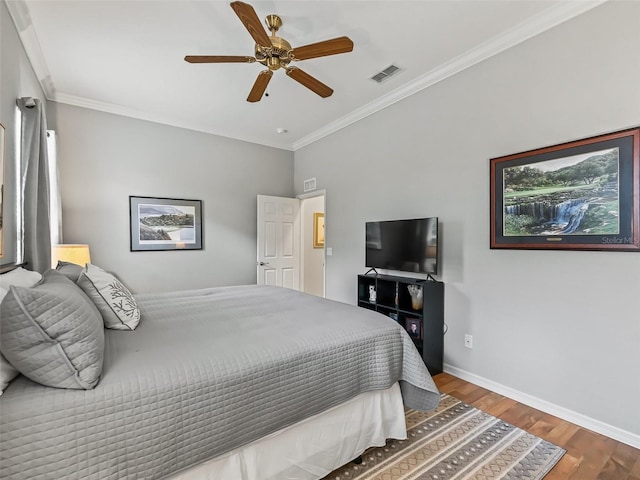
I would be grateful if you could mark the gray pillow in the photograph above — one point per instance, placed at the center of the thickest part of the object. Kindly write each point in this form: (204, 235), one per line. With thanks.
(116, 304)
(52, 333)
(69, 270)
(21, 278)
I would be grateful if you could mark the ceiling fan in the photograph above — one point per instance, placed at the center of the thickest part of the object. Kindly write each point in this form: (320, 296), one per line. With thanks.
(275, 53)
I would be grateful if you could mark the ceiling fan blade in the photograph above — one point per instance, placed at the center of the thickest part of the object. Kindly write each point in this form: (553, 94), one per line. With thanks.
(322, 49)
(217, 59)
(310, 82)
(251, 22)
(259, 86)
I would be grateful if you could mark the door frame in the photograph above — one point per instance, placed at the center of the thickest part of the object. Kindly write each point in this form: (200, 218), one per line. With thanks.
(302, 197)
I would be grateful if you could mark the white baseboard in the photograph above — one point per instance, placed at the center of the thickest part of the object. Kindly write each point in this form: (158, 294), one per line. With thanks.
(597, 426)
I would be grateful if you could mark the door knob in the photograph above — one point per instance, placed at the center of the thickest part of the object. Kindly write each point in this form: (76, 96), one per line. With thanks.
(262, 264)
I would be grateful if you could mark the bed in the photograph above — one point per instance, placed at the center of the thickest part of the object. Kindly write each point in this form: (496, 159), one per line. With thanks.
(247, 383)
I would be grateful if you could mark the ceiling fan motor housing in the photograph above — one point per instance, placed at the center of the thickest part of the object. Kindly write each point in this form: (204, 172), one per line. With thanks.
(275, 56)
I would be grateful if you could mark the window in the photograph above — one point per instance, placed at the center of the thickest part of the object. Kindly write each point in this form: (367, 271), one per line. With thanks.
(55, 210)
(55, 204)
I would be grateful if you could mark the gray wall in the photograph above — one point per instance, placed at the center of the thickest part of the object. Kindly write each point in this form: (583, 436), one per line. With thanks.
(104, 158)
(557, 326)
(17, 80)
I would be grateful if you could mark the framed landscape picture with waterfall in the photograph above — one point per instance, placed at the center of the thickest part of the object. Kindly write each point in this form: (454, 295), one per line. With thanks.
(165, 224)
(580, 195)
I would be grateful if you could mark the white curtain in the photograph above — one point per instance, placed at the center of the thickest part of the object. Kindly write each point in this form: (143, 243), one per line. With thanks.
(34, 228)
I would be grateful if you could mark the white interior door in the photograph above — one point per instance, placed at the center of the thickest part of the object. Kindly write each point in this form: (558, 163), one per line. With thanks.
(278, 260)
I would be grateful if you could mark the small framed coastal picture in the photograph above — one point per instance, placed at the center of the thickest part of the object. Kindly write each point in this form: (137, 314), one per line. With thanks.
(165, 224)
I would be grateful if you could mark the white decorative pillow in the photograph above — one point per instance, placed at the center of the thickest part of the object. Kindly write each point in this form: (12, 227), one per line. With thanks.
(116, 304)
(19, 277)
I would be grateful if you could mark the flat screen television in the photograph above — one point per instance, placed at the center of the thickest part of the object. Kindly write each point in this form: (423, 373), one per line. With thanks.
(403, 245)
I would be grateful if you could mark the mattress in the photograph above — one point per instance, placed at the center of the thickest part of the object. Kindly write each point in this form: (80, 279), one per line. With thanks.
(206, 371)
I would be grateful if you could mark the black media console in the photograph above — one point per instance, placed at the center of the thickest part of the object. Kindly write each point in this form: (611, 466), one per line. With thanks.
(391, 296)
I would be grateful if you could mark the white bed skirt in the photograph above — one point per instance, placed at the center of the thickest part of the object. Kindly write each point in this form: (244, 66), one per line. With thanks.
(314, 447)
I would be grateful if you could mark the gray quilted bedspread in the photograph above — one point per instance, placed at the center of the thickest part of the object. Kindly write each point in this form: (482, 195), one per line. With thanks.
(206, 371)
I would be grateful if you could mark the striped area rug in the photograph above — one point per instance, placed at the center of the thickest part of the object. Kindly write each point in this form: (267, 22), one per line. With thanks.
(456, 442)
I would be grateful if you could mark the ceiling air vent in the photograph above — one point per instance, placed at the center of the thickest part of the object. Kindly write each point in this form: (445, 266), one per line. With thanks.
(386, 73)
(309, 184)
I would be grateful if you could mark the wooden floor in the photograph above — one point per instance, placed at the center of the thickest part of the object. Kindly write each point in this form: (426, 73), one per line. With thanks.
(590, 456)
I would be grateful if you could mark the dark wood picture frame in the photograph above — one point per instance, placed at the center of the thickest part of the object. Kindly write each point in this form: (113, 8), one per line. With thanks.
(165, 224)
(580, 195)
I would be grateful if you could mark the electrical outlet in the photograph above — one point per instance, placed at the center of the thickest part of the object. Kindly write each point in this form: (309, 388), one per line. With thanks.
(468, 340)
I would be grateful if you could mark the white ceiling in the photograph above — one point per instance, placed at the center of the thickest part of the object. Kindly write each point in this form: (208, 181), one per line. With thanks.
(126, 57)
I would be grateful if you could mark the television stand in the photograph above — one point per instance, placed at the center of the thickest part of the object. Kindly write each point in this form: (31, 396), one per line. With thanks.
(391, 296)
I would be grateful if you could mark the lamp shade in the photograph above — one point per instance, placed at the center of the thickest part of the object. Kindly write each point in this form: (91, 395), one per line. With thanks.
(72, 253)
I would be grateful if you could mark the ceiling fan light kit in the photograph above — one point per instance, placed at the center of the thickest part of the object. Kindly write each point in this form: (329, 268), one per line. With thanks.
(274, 53)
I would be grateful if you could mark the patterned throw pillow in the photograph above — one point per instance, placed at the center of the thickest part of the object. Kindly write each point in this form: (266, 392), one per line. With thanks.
(116, 304)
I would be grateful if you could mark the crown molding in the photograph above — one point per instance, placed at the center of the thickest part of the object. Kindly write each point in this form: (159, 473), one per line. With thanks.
(19, 13)
(538, 24)
(82, 102)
